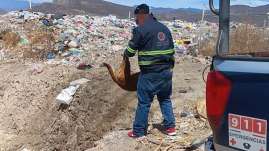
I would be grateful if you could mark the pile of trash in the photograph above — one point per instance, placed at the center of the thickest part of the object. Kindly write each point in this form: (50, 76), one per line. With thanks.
(188, 36)
(81, 39)
(70, 40)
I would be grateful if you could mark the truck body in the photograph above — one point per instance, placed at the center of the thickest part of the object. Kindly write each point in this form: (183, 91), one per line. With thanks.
(237, 93)
(237, 107)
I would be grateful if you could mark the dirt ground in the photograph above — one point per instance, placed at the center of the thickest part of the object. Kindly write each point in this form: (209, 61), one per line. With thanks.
(100, 114)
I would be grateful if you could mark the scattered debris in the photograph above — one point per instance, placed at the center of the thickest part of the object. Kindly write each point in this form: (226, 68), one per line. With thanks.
(84, 66)
(186, 114)
(79, 82)
(50, 55)
(2, 55)
(25, 149)
(201, 109)
(66, 95)
(37, 69)
(196, 143)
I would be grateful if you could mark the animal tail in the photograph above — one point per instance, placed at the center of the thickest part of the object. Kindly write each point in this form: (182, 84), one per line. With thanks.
(111, 72)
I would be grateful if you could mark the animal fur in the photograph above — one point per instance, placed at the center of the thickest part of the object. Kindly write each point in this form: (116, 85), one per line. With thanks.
(123, 76)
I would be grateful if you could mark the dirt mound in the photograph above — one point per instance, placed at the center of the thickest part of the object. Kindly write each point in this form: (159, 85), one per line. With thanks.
(90, 116)
(30, 117)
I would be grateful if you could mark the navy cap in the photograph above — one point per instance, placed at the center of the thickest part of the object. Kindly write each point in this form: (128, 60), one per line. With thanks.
(142, 9)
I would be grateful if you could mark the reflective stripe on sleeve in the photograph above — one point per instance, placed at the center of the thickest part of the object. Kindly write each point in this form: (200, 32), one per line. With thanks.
(131, 50)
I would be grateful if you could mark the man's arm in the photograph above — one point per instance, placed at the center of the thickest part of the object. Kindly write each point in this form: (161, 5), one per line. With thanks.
(133, 44)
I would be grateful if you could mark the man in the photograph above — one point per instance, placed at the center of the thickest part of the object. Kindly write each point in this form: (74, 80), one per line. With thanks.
(154, 43)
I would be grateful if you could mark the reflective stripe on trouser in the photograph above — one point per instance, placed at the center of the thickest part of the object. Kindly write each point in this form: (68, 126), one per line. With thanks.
(149, 85)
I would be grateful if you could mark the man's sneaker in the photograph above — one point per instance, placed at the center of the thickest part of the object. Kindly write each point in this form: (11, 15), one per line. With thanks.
(132, 135)
(171, 131)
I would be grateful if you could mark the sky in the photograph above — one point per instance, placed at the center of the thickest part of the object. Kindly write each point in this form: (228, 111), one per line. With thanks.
(178, 3)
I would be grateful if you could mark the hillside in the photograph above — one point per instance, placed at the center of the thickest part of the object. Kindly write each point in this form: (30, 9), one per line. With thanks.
(98, 7)
(57, 9)
(2, 11)
(253, 15)
(239, 13)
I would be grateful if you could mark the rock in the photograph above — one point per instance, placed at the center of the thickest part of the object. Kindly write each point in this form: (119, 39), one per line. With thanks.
(182, 91)
(186, 114)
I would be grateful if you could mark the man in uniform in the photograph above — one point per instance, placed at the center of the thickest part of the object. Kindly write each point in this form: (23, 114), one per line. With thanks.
(154, 44)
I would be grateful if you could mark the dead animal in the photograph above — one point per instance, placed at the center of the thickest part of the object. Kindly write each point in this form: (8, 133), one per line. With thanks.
(123, 76)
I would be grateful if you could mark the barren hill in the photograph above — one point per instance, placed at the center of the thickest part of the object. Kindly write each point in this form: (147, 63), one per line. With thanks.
(94, 7)
(239, 13)
(2, 11)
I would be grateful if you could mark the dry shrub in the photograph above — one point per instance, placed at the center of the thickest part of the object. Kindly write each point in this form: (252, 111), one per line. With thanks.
(208, 47)
(42, 37)
(31, 25)
(10, 39)
(41, 41)
(248, 39)
(244, 39)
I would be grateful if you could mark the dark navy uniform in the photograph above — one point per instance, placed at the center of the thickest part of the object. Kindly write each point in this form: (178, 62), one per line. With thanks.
(154, 44)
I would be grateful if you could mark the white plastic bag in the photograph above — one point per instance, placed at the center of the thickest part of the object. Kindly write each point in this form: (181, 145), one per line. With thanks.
(66, 96)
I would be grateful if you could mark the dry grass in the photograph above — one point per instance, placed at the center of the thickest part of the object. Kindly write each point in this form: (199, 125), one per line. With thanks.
(244, 39)
(248, 39)
(41, 41)
(208, 47)
(33, 42)
(10, 39)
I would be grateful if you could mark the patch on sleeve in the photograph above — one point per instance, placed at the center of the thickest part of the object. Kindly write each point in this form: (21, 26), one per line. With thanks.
(161, 36)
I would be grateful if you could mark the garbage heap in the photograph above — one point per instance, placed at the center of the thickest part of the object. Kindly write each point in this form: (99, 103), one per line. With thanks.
(191, 37)
(81, 39)
(62, 39)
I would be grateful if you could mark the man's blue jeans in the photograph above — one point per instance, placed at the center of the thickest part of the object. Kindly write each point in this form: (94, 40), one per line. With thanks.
(149, 85)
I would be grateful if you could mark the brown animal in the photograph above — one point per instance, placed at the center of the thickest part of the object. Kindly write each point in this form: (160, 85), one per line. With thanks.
(123, 76)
